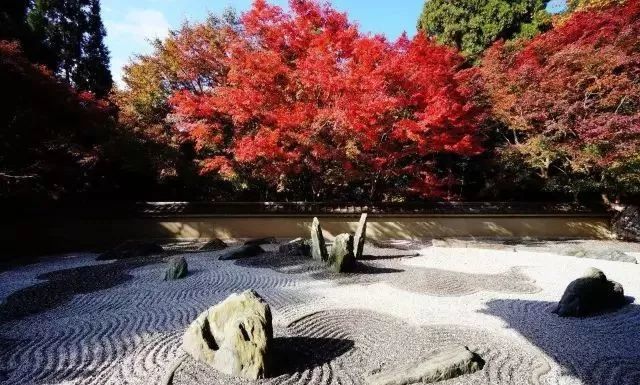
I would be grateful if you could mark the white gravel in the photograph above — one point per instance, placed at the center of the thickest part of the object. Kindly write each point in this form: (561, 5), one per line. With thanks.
(336, 329)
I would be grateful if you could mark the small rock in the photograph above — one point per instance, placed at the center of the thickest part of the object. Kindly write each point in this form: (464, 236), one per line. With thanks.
(318, 247)
(132, 249)
(607, 255)
(213, 245)
(360, 236)
(341, 258)
(438, 366)
(177, 269)
(245, 251)
(260, 241)
(297, 247)
(233, 336)
(590, 294)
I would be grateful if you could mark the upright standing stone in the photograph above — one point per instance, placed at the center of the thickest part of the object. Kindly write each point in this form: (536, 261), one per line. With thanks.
(318, 247)
(360, 237)
(233, 336)
(341, 258)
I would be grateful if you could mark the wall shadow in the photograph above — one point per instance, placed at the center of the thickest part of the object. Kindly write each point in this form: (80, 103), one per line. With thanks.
(603, 349)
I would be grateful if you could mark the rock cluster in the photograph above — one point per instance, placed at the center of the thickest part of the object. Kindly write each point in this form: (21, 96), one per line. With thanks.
(345, 248)
(626, 224)
(590, 294)
(132, 249)
(177, 268)
(233, 337)
(438, 366)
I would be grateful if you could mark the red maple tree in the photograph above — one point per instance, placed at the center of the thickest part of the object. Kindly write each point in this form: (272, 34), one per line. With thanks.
(307, 101)
(572, 97)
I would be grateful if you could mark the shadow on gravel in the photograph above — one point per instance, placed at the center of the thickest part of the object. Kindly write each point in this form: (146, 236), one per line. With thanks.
(296, 354)
(601, 349)
(62, 285)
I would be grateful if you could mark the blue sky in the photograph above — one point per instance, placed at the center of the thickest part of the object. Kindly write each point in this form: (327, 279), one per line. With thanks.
(130, 24)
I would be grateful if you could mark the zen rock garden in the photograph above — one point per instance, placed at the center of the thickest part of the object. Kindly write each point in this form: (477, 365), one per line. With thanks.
(314, 310)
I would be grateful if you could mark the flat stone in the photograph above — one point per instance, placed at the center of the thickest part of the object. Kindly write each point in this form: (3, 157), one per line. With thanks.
(233, 337)
(318, 246)
(440, 365)
(360, 236)
(214, 244)
(177, 268)
(260, 241)
(297, 247)
(245, 251)
(341, 258)
(132, 249)
(590, 294)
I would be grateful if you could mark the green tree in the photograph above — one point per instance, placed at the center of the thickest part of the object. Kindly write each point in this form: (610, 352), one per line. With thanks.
(73, 30)
(473, 25)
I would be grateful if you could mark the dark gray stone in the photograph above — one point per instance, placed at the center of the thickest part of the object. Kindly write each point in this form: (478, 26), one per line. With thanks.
(360, 236)
(318, 246)
(132, 249)
(213, 245)
(440, 365)
(177, 268)
(626, 224)
(590, 294)
(341, 258)
(297, 247)
(260, 241)
(245, 251)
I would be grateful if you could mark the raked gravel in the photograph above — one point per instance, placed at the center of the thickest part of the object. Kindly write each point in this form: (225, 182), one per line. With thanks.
(329, 328)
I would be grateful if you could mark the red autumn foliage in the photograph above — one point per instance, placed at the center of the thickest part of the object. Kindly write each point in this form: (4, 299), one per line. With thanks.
(304, 96)
(573, 95)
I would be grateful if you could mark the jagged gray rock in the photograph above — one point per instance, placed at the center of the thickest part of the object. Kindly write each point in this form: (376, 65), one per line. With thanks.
(214, 244)
(233, 336)
(341, 258)
(590, 294)
(318, 246)
(132, 249)
(360, 236)
(245, 251)
(297, 247)
(177, 268)
(438, 366)
(626, 224)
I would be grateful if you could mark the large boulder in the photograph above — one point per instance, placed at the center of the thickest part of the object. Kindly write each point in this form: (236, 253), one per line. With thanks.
(590, 294)
(132, 249)
(214, 244)
(297, 247)
(360, 236)
(318, 247)
(245, 251)
(440, 365)
(176, 269)
(341, 258)
(626, 224)
(233, 336)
